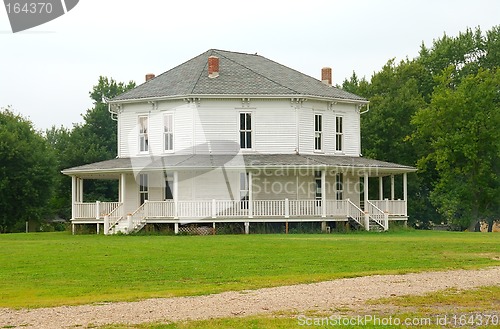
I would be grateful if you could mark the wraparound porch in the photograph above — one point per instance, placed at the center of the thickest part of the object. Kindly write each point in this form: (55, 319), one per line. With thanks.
(257, 188)
(113, 217)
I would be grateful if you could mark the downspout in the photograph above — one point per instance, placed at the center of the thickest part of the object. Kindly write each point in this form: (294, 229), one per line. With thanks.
(366, 111)
(114, 117)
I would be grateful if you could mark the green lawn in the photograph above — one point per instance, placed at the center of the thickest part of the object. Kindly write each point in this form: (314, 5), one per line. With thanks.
(49, 269)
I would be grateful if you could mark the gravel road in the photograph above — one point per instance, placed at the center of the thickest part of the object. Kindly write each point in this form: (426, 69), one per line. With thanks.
(325, 296)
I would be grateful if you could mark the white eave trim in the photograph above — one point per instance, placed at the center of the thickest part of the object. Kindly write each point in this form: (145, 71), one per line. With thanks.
(236, 96)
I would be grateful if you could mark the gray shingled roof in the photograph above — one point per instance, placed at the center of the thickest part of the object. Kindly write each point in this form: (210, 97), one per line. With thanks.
(236, 161)
(239, 74)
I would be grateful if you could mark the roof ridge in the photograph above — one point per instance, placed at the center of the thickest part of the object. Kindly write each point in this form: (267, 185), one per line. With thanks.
(259, 74)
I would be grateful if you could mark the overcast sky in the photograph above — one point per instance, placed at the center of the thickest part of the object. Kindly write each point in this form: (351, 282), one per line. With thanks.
(46, 72)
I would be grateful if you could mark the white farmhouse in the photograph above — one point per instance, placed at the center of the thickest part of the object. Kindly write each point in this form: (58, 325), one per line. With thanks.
(234, 137)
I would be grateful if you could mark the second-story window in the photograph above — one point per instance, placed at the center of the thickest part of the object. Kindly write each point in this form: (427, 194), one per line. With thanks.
(339, 134)
(168, 132)
(246, 130)
(143, 134)
(318, 132)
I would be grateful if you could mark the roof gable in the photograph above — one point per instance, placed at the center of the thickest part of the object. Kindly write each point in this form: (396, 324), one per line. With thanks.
(240, 74)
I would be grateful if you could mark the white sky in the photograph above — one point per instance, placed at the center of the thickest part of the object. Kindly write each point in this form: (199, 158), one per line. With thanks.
(47, 72)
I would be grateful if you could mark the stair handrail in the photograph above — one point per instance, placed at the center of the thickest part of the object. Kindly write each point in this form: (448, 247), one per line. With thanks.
(137, 216)
(354, 212)
(115, 216)
(377, 215)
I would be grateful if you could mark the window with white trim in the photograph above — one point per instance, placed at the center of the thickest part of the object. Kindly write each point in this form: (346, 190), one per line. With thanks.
(169, 186)
(168, 132)
(143, 134)
(244, 190)
(246, 130)
(317, 180)
(339, 186)
(318, 132)
(339, 134)
(143, 188)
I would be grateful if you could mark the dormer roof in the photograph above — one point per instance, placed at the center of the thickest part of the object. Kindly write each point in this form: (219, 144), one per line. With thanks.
(239, 75)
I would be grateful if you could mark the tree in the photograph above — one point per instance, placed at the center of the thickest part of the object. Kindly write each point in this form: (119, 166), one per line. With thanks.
(460, 128)
(94, 140)
(399, 91)
(26, 172)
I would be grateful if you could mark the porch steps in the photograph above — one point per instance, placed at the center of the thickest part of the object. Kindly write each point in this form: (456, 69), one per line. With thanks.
(375, 227)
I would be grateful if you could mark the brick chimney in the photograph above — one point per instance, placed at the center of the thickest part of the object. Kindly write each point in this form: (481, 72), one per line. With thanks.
(213, 67)
(326, 76)
(149, 76)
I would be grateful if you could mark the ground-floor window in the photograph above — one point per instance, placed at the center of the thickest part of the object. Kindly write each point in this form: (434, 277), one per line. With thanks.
(169, 186)
(318, 190)
(339, 186)
(143, 188)
(244, 189)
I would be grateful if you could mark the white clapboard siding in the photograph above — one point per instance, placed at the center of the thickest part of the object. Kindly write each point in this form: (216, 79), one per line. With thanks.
(212, 126)
(275, 129)
(329, 132)
(306, 130)
(216, 130)
(183, 130)
(128, 128)
(351, 130)
(131, 194)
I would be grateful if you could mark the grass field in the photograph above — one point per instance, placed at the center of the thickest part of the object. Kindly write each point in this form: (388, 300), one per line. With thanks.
(50, 269)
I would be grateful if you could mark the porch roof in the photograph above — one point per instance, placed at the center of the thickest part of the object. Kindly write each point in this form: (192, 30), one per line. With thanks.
(110, 168)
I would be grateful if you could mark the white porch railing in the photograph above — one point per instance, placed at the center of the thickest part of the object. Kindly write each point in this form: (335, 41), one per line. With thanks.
(377, 210)
(97, 210)
(336, 208)
(305, 208)
(269, 208)
(393, 207)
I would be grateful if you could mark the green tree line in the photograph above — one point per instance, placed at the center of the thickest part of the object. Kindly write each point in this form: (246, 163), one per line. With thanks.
(439, 112)
(31, 184)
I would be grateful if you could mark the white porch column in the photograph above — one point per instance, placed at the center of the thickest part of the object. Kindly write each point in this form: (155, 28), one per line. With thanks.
(106, 224)
(250, 195)
(323, 193)
(247, 227)
(80, 190)
(405, 192)
(97, 209)
(175, 193)
(381, 188)
(176, 228)
(122, 188)
(73, 196)
(392, 187)
(365, 191)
